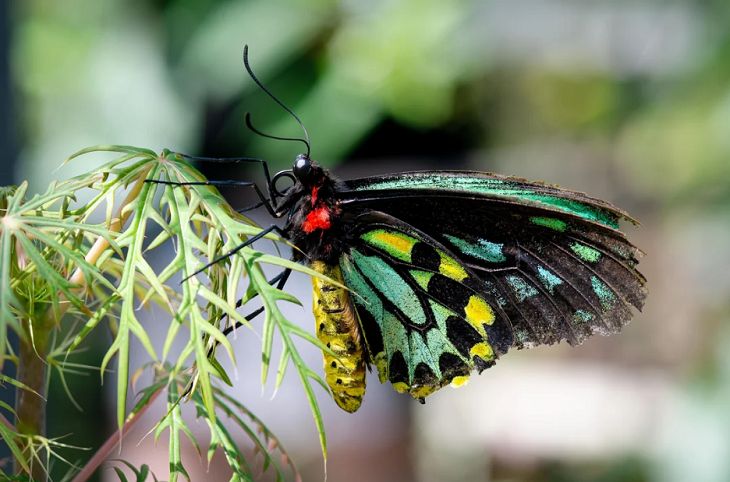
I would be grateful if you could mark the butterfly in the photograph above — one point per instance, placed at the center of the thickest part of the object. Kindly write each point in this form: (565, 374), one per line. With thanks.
(448, 270)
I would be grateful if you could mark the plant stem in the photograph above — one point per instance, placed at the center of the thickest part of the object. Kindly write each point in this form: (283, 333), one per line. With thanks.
(112, 442)
(6, 422)
(29, 407)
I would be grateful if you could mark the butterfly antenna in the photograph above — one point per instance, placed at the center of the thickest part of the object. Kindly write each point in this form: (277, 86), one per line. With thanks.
(250, 72)
(256, 131)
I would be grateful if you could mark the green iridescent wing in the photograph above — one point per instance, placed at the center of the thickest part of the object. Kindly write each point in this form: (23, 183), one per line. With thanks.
(425, 317)
(484, 186)
(550, 263)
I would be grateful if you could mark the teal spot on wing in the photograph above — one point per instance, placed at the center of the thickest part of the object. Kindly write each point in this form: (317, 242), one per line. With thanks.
(491, 289)
(395, 337)
(548, 279)
(620, 251)
(437, 339)
(483, 249)
(521, 288)
(391, 285)
(363, 294)
(392, 330)
(586, 253)
(420, 353)
(552, 223)
(438, 181)
(497, 187)
(422, 278)
(521, 336)
(439, 344)
(585, 211)
(605, 295)
(581, 316)
(441, 314)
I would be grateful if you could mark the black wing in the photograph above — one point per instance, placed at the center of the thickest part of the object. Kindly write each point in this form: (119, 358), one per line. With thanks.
(551, 259)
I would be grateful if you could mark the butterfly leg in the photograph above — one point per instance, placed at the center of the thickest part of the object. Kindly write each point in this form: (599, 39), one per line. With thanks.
(264, 200)
(260, 235)
(230, 160)
(251, 207)
(280, 279)
(238, 248)
(258, 204)
(234, 160)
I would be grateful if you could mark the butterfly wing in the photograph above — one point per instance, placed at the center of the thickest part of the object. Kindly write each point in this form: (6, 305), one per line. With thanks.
(550, 265)
(425, 316)
(479, 185)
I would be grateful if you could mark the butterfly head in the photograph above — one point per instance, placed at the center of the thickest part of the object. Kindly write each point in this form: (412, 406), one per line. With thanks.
(302, 168)
(309, 174)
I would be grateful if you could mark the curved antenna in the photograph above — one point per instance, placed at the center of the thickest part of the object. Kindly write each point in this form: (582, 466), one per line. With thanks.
(250, 72)
(256, 131)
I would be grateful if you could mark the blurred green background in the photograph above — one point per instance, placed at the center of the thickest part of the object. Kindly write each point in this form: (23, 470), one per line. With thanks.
(626, 100)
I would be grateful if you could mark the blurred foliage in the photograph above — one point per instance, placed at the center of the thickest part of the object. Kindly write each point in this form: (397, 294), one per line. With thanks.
(345, 68)
(643, 87)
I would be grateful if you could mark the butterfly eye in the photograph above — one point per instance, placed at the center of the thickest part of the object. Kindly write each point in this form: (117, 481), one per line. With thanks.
(302, 167)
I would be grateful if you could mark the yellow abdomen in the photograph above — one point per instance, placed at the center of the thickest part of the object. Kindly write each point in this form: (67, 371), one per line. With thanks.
(338, 328)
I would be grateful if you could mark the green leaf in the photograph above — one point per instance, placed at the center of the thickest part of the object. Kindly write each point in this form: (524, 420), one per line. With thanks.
(173, 420)
(221, 438)
(18, 384)
(270, 440)
(111, 148)
(220, 372)
(281, 371)
(9, 437)
(120, 474)
(140, 474)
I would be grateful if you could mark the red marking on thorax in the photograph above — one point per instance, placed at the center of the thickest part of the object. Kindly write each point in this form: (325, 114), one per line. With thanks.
(314, 195)
(318, 218)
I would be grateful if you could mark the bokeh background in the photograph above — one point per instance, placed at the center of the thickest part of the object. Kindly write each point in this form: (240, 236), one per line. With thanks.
(626, 100)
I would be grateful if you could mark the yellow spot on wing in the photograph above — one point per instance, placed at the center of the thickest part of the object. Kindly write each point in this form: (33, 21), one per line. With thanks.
(396, 244)
(381, 362)
(459, 381)
(483, 351)
(479, 312)
(449, 267)
(401, 387)
(423, 392)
